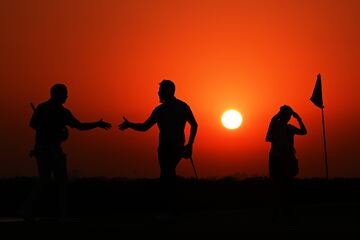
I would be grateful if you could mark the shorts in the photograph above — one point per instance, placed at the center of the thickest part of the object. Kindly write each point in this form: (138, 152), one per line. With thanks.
(169, 157)
(51, 161)
(282, 165)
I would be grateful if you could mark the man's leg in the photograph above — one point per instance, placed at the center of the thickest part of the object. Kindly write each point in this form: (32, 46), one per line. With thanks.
(167, 179)
(44, 173)
(169, 158)
(61, 178)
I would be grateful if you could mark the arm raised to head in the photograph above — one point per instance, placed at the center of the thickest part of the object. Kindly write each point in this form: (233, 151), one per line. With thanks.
(302, 130)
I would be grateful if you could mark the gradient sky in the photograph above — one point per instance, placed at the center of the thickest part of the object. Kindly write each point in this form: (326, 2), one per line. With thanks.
(250, 55)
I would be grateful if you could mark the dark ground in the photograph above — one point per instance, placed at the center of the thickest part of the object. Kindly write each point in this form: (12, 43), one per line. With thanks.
(204, 207)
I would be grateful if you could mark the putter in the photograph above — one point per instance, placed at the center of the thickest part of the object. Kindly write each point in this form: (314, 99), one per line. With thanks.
(193, 165)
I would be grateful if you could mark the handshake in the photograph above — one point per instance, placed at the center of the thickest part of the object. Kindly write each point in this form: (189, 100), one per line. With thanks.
(106, 125)
(186, 151)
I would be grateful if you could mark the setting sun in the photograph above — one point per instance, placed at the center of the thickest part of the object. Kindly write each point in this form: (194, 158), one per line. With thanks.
(231, 119)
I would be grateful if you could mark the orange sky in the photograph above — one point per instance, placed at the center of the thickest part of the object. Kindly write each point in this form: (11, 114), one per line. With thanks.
(250, 55)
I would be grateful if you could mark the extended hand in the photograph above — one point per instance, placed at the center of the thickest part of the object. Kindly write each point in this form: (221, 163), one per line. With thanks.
(124, 125)
(103, 124)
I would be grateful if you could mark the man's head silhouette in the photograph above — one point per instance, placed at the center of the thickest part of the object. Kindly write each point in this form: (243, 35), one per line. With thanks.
(59, 93)
(166, 90)
(285, 113)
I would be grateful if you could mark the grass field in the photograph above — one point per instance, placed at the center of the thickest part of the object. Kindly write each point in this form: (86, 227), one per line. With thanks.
(207, 207)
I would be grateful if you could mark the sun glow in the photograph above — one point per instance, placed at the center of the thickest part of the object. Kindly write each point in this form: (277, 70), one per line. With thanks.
(231, 119)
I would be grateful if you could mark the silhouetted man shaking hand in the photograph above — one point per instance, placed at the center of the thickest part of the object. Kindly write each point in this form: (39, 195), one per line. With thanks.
(171, 117)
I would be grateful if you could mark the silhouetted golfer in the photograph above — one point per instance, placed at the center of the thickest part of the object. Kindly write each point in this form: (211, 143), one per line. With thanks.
(50, 120)
(282, 160)
(171, 117)
(283, 165)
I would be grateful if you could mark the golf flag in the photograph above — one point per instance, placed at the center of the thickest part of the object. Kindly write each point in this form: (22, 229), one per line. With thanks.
(316, 97)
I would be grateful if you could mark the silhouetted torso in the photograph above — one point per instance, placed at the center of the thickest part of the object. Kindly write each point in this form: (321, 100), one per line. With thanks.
(281, 136)
(50, 120)
(171, 117)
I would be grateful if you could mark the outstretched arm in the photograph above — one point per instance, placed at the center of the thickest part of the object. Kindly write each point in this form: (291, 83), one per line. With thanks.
(302, 130)
(141, 127)
(83, 126)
